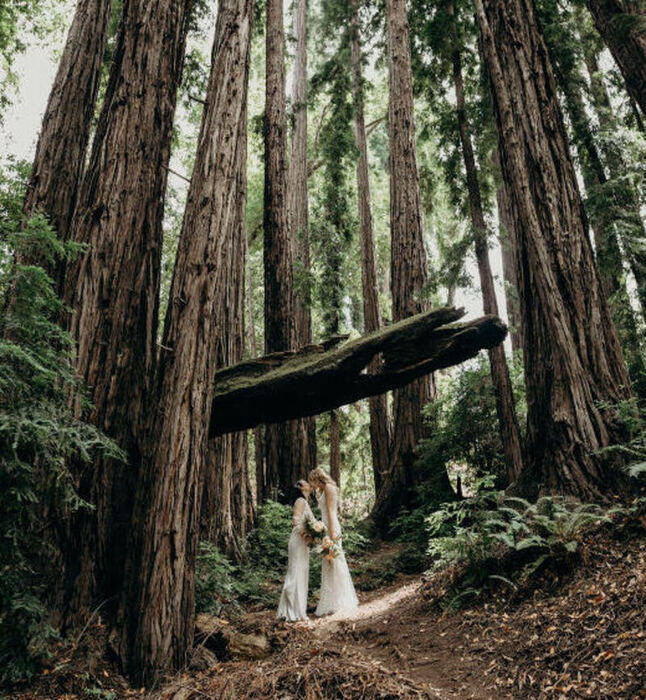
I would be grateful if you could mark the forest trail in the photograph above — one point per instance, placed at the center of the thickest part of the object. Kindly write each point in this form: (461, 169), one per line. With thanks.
(390, 630)
(578, 634)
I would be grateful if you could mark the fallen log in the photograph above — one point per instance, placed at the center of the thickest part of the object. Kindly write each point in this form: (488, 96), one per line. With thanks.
(318, 378)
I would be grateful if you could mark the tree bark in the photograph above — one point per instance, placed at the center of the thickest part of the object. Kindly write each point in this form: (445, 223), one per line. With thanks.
(114, 290)
(335, 447)
(304, 440)
(318, 378)
(378, 405)
(408, 263)
(157, 607)
(225, 512)
(605, 227)
(242, 504)
(505, 404)
(259, 457)
(629, 204)
(506, 218)
(60, 154)
(621, 24)
(280, 452)
(574, 369)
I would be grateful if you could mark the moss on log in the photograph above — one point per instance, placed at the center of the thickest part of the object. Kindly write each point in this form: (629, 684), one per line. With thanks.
(318, 378)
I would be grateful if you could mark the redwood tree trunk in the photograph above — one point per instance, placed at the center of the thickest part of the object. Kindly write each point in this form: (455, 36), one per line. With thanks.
(621, 24)
(158, 603)
(629, 204)
(114, 291)
(65, 132)
(607, 223)
(573, 362)
(242, 504)
(226, 513)
(335, 447)
(408, 264)
(505, 405)
(282, 470)
(506, 220)
(379, 414)
(304, 440)
(259, 457)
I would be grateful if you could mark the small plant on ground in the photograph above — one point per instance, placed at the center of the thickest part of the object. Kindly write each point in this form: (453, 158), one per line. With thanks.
(494, 538)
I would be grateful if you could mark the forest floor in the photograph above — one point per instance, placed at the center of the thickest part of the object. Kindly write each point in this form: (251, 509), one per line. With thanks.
(581, 634)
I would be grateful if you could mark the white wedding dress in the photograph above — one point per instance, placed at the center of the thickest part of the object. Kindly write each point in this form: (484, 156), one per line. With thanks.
(293, 600)
(337, 590)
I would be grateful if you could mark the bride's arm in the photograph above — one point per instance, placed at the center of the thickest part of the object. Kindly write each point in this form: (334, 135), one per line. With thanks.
(299, 509)
(329, 497)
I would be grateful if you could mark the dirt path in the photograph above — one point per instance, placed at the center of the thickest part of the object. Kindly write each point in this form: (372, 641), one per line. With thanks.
(391, 629)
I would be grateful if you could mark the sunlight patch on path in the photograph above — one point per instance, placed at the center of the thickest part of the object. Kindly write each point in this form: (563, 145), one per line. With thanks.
(372, 608)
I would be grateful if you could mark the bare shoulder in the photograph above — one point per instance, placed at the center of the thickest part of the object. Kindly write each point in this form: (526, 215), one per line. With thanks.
(330, 489)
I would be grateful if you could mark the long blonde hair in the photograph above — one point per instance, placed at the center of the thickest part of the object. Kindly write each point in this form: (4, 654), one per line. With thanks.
(320, 476)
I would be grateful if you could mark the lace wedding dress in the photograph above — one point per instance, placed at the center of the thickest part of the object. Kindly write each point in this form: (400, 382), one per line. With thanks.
(293, 600)
(337, 590)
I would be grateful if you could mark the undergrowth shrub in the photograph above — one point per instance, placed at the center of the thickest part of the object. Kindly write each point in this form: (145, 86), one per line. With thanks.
(38, 431)
(216, 587)
(493, 538)
(462, 427)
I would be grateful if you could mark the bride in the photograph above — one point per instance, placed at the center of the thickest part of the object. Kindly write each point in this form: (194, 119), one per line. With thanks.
(337, 591)
(293, 600)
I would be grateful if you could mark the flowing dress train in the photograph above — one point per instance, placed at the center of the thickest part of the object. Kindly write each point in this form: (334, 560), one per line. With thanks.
(337, 589)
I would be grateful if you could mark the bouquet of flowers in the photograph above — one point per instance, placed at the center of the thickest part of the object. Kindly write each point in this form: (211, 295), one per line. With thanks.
(330, 548)
(315, 529)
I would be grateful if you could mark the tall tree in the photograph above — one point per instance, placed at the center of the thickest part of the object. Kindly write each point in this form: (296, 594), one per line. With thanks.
(378, 405)
(114, 294)
(621, 23)
(621, 186)
(506, 219)
(225, 513)
(281, 466)
(157, 608)
(505, 406)
(298, 211)
(574, 369)
(242, 502)
(408, 264)
(334, 224)
(604, 216)
(65, 132)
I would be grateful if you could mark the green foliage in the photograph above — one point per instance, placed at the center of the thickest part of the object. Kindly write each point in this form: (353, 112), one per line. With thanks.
(633, 451)
(462, 425)
(215, 584)
(19, 18)
(222, 585)
(39, 433)
(491, 535)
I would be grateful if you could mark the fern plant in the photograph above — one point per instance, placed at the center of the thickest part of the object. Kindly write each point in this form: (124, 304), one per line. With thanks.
(38, 430)
(480, 533)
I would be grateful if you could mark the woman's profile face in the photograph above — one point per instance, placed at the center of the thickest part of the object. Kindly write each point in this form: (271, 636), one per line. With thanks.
(305, 487)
